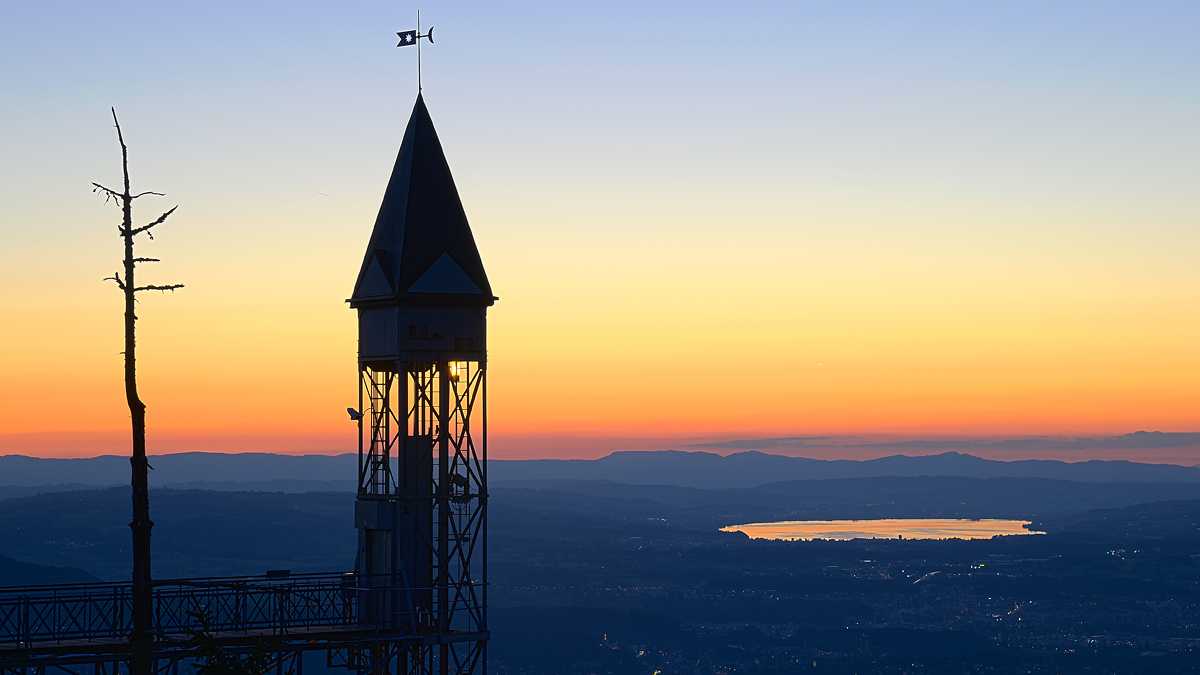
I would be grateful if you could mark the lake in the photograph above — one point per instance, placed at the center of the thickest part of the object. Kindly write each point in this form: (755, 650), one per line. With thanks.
(891, 528)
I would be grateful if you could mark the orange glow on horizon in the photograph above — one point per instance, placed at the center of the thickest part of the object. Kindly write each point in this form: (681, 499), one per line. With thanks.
(880, 231)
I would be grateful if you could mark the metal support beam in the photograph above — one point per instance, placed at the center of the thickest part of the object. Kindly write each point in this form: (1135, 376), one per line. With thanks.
(429, 514)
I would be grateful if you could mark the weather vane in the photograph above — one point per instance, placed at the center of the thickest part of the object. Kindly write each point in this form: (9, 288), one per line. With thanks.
(409, 38)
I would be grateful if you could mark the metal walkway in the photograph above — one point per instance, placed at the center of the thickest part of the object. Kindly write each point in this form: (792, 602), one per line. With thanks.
(61, 626)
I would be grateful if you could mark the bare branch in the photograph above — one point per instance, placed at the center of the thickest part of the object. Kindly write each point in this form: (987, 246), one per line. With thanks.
(124, 150)
(108, 193)
(117, 278)
(171, 287)
(161, 218)
(143, 194)
(138, 260)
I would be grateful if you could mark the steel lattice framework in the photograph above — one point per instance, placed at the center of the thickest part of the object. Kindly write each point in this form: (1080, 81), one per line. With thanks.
(421, 464)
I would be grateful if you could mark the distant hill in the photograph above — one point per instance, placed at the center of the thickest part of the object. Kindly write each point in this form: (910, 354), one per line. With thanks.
(18, 573)
(182, 468)
(208, 533)
(196, 532)
(308, 473)
(749, 469)
(837, 498)
(1177, 520)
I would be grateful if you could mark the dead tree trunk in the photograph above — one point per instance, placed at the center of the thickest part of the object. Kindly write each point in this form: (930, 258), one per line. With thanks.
(142, 638)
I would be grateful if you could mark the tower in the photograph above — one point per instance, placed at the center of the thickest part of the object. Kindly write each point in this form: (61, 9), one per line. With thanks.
(422, 297)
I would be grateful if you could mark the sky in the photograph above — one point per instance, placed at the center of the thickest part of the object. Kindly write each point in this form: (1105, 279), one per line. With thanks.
(704, 221)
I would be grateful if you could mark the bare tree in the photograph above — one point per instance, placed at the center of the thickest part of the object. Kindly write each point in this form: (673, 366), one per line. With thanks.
(142, 638)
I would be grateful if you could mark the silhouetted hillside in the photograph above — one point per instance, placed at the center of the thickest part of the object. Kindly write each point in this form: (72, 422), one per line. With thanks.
(623, 578)
(749, 469)
(288, 473)
(196, 533)
(880, 497)
(184, 468)
(209, 533)
(18, 573)
(1174, 520)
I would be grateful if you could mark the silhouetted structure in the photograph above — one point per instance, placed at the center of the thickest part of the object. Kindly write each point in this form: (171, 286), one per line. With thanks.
(422, 297)
(416, 601)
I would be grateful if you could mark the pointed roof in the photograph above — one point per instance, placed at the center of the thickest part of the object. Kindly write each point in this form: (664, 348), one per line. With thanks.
(421, 245)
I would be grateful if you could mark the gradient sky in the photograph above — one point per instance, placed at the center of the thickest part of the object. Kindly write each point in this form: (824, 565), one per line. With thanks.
(703, 220)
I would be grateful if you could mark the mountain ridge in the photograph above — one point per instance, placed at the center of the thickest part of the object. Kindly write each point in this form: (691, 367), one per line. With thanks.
(295, 473)
(753, 468)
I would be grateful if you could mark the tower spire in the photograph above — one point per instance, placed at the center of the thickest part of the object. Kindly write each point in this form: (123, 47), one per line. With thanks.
(422, 243)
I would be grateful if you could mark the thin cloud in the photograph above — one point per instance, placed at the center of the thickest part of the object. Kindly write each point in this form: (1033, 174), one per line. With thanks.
(1135, 440)
(760, 443)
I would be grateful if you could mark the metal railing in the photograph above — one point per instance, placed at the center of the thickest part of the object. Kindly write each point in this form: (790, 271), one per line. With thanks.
(269, 606)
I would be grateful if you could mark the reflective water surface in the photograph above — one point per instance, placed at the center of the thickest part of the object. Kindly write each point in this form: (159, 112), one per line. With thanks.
(882, 529)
